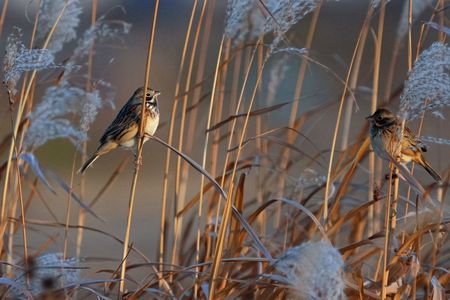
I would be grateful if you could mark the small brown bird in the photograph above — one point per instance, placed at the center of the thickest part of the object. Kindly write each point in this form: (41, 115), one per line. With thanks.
(124, 130)
(385, 132)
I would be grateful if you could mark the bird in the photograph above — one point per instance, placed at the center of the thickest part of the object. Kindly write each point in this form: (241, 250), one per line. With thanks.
(385, 132)
(124, 130)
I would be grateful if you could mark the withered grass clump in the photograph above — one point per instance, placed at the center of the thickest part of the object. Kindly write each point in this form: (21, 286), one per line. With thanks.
(269, 187)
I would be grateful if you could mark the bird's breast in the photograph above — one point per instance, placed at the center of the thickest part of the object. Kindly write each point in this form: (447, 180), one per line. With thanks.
(151, 124)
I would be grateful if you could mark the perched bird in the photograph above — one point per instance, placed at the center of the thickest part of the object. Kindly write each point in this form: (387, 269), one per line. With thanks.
(124, 130)
(385, 132)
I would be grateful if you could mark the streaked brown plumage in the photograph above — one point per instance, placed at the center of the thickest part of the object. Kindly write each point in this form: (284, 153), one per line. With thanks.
(124, 130)
(385, 130)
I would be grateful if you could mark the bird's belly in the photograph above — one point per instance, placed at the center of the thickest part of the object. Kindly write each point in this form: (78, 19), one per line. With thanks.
(129, 143)
(151, 126)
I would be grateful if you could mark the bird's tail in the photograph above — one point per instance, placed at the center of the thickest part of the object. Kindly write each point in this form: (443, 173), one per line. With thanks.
(430, 171)
(88, 163)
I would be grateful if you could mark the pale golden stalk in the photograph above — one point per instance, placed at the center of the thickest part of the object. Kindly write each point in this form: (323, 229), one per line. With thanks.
(139, 157)
(18, 119)
(3, 15)
(81, 212)
(180, 197)
(69, 202)
(226, 216)
(169, 141)
(205, 153)
(295, 106)
(336, 130)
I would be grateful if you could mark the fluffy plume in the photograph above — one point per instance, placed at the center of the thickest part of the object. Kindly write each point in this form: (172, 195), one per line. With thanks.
(101, 31)
(18, 59)
(243, 21)
(428, 84)
(247, 20)
(53, 117)
(67, 25)
(50, 118)
(435, 140)
(42, 276)
(314, 271)
(277, 74)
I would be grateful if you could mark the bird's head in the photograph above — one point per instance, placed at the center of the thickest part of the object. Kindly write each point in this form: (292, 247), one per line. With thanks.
(151, 98)
(382, 117)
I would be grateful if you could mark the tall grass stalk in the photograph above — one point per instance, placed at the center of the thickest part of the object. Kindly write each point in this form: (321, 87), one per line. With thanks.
(374, 103)
(200, 69)
(295, 105)
(232, 129)
(88, 87)
(69, 202)
(226, 215)
(204, 156)
(180, 197)
(163, 238)
(138, 156)
(18, 119)
(337, 124)
(3, 15)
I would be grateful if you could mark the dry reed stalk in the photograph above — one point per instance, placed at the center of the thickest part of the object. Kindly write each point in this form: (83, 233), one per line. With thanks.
(22, 210)
(3, 16)
(214, 157)
(338, 119)
(16, 147)
(295, 106)
(260, 152)
(197, 91)
(81, 212)
(69, 202)
(20, 110)
(354, 78)
(204, 155)
(180, 197)
(374, 104)
(233, 126)
(226, 216)
(162, 240)
(387, 235)
(138, 157)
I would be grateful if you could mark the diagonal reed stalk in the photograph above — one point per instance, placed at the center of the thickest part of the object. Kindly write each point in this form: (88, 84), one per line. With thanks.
(180, 196)
(295, 105)
(204, 156)
(22, 103)
(81, 212)
(162, 240)
(3, 15)
(226, 215)
(138, 156)
(233, 126)
(338, 119)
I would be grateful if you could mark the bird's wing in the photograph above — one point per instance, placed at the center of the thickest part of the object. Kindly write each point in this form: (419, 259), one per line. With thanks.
(414, 140)
(123, 125)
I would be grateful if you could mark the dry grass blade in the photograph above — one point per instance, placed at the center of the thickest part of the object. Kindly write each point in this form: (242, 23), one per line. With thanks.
(73, 197)
(348, 177)
(296, 205)
(252, 233)
(256, 112)
(195, 165)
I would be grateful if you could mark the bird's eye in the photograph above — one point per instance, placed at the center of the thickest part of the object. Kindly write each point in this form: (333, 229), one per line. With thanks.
(148, 95)
(379, 118)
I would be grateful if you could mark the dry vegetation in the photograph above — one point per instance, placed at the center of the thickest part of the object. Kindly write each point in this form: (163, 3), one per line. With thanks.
(273, 216)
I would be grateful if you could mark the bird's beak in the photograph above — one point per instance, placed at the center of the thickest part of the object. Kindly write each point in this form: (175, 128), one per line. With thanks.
(369, 117)
(157, 93)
